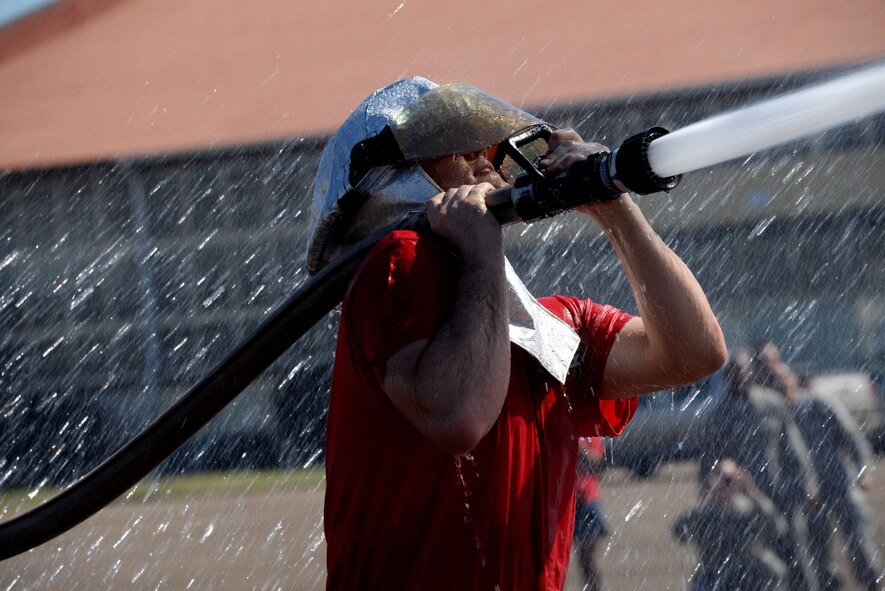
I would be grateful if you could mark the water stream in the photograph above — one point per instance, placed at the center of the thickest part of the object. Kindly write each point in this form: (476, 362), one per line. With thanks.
(769, 123)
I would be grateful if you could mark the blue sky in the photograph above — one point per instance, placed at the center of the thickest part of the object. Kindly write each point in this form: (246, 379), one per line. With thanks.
(12, 10)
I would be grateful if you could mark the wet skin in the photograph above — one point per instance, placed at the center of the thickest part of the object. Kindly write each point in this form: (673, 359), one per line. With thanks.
(450, 172)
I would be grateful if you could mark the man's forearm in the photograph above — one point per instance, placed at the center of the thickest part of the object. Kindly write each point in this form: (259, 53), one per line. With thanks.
(474, 346)
(683, 334)
(453, 386)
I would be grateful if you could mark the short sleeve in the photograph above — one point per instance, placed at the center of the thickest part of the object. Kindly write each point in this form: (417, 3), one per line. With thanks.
(401, 293)
(598, 326)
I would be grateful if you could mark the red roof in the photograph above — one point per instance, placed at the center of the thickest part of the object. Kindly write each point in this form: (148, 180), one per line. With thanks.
(89, 80)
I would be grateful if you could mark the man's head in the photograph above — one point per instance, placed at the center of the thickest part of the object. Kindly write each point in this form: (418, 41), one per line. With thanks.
(400, 147)
(725, 480)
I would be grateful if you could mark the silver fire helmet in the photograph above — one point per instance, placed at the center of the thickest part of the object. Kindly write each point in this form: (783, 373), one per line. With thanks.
(368, 175)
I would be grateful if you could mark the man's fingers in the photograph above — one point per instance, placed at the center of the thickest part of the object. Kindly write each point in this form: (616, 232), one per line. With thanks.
(566, 153)
(556, 163)
(563, 135)
(452, 202)
(467, 193)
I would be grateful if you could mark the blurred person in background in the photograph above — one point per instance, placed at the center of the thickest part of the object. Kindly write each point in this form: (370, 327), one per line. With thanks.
(842, 458)
(590, 523)
(752, 425)
(736, 529)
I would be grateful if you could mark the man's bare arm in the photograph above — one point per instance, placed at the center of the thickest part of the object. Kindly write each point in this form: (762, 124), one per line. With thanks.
(452, 387)
(676, 340)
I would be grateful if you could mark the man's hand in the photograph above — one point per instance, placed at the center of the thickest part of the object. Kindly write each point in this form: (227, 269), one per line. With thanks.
(461, 217)
(565, 149)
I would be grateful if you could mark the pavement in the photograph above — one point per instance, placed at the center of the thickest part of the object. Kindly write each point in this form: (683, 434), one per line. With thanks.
(273, 540)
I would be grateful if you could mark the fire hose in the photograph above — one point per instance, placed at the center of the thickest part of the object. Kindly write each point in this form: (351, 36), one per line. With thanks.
(533, 196)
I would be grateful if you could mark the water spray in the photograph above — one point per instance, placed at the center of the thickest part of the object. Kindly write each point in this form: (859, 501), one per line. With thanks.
(647, 162)
(654, 160)
(776, 121)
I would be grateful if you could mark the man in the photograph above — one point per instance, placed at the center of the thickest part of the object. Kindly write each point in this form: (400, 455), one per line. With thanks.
(736, 529)
(841, 457)
(752, 425)
(457, 398)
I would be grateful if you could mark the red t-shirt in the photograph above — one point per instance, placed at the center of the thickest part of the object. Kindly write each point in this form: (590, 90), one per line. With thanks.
(402, 514)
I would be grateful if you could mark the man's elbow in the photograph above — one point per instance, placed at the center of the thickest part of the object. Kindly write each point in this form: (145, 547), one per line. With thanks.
(718, 354)
(708, 360)
(454, 426)
(459, 426)
(690, 367)
(459, 437)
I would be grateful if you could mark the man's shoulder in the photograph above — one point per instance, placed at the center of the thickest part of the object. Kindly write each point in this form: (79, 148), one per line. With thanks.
(567, 309)
(578, 312)
(401, 251)
(404, 273)
(397, 240)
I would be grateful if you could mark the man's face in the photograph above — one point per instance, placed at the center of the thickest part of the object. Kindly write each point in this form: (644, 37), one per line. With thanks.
(450, 172)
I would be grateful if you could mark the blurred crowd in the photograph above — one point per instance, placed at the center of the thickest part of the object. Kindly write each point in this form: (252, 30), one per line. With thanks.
(782, 479)
(784, 471)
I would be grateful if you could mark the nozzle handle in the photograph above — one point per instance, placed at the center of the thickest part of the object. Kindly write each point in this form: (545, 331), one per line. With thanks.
(601, 177)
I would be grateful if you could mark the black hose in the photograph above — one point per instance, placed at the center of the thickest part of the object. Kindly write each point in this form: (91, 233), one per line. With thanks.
(591, 180)
(174, 427)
